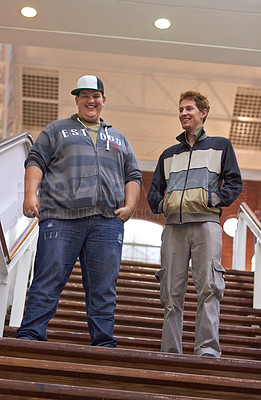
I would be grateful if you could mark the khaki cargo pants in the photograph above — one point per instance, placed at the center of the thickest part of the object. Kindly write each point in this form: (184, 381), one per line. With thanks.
(202, 243)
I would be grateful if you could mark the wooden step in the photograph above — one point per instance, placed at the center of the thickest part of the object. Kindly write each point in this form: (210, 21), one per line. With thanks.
(139, 321)
(240, 306)
(123, 372)
(140, 270)
(132, 340)
(127, 370)
(26, 390)
(67, 366)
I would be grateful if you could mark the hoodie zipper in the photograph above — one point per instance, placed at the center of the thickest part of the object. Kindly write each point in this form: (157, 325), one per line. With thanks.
(96, 159)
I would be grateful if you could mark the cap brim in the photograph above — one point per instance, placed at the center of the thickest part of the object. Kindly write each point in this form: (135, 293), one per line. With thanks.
(75, 92)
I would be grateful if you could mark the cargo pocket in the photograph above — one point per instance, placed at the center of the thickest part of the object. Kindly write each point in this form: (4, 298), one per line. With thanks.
(218, 281)
(161, 277)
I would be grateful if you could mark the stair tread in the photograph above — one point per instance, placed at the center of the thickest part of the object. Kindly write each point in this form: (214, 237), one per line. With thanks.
(137, 367)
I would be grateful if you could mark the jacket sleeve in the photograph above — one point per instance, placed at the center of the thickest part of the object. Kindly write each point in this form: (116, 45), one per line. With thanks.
(131, 168)
(41, 152)
(157, 188)
(231, 176)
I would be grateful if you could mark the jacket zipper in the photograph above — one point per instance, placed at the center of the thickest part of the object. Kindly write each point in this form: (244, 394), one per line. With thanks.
(180, 206)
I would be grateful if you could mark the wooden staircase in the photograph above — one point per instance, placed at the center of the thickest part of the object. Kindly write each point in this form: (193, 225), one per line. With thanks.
(67, 367)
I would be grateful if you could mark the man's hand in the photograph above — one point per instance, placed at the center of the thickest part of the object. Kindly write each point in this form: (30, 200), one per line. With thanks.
(124, 213)
(32, 180)
(31, 206)
(132, 195)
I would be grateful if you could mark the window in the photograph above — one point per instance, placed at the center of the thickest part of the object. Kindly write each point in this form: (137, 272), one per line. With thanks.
(142, 241)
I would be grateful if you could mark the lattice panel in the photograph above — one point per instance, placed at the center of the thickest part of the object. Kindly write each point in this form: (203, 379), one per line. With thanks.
(245, 128)
(246, 134)
(248, 103)
(38, 114)
(40, 90)
(44, 87)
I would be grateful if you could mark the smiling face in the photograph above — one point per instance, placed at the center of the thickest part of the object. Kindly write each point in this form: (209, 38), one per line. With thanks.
(90, 103)
(191, 118)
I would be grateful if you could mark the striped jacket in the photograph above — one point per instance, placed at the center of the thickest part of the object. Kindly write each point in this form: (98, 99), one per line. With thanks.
(79, 179)
(193, 184)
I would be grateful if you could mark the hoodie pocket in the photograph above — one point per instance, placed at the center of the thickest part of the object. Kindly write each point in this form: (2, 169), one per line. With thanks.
(84, 191)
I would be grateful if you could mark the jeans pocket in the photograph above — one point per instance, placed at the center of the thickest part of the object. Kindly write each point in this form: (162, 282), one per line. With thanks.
(218, 281)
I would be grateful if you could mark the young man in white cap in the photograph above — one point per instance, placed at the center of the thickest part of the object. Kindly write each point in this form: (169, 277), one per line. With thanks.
(89, 184)
(193, 180)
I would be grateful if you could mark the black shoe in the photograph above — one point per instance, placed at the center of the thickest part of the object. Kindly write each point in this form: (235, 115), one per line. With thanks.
(208, 355)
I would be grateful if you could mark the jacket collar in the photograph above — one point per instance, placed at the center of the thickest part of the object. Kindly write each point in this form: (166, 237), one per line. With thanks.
(102, 122)
(182, 137)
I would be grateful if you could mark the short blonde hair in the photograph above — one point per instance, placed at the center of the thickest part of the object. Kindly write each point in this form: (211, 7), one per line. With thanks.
(201, 101)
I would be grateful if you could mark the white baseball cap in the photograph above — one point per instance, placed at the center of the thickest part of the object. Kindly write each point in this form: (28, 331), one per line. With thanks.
(88, 82)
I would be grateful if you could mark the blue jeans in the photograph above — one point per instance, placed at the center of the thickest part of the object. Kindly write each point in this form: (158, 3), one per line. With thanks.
(97, 241)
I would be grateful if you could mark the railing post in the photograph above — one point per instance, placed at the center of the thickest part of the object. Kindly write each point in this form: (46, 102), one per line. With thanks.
(21, 284)
(239, 245)
(4, 290)
(24, 260)
(257, 276)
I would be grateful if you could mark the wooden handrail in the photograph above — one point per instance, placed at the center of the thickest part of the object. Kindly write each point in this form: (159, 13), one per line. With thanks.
(251, 214)
(9, 253)
(22, 238)
(3, 244)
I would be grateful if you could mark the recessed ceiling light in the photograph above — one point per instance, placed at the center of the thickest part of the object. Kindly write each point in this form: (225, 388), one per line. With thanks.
(28, 12)
(162, 23)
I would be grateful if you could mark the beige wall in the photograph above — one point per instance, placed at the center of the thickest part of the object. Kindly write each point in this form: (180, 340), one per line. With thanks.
(143, 94)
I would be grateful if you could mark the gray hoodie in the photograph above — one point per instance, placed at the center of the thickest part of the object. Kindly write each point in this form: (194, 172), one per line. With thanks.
(80, 180)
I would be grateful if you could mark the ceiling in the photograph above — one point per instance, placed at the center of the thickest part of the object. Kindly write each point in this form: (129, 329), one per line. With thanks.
(212, 45)
(221, 31)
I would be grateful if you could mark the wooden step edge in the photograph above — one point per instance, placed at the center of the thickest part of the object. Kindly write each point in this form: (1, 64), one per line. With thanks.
(139, 376)
(54, 391)
(230, 295)
(140, 340)
(132, 376)
(226, 311)
(136, 356)
(245, 338)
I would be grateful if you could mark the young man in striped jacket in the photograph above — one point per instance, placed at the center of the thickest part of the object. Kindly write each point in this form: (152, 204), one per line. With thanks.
(193, 180)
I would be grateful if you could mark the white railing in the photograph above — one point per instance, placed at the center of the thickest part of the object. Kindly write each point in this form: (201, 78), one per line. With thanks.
(14, 280)
(246, 218)
(18, 234)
